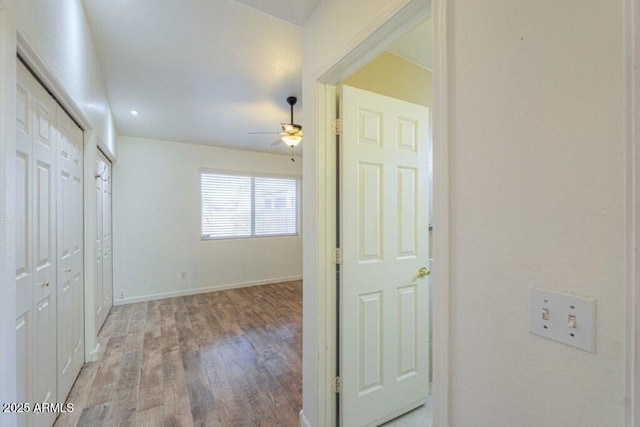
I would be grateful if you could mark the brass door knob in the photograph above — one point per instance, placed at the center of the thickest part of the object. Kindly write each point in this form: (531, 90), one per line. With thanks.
(423, 272)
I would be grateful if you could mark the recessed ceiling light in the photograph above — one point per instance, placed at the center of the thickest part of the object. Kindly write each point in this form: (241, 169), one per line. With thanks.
(134, 112)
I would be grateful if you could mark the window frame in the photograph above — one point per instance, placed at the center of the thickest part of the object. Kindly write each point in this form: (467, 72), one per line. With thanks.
(253, 176)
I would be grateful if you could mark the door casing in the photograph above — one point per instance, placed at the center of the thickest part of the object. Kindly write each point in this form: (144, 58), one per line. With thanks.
(632, 209)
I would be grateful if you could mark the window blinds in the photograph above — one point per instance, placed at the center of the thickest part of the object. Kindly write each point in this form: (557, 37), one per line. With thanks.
(236, 206)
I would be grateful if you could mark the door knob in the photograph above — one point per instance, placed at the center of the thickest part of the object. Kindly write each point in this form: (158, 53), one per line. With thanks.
(423, 271)
(45, 284)
(68, 270)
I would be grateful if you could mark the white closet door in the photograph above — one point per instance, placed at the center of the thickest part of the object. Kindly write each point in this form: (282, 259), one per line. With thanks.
(70, 253)
(36, 246)
(104, 257)
(107, 240)
(101, 312)
(24, 230)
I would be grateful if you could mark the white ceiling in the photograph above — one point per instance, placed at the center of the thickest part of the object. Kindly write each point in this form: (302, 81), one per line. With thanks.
(292, 11)
(209, 71)
(201, 71)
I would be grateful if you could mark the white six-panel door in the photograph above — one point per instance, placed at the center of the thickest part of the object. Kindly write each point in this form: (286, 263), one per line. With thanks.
(24, 250)
(70, 253)
(49, 251)
(36, 246)
(107, 237)
(101, 312)
(384, 319)
(104, 261)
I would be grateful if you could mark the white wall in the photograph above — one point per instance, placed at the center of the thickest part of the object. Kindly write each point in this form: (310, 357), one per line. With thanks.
(7, 215)
(536, 178)
(156, 223)
(536, 199)
(59, 36)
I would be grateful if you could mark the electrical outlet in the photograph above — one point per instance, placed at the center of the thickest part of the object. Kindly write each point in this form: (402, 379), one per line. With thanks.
(121, 294)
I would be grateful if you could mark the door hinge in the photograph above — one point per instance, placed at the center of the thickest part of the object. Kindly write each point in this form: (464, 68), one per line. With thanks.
(336, 126)
(336, 385)
(336, 256)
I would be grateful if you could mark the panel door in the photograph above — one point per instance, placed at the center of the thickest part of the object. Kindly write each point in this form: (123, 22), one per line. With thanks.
(77, 358)
(104, 251)
(384, 311)
(36, 246)
(107, 239)
(24, 231)
(100, 313)
(70, 253)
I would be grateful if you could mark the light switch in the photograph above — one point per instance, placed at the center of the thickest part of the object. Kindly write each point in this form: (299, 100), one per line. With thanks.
(561, 317)
(572, 321)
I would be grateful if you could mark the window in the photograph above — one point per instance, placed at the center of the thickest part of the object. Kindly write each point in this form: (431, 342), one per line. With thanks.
(236, 206)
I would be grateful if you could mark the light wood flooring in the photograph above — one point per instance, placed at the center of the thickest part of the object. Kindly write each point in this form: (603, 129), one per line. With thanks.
(229, 358)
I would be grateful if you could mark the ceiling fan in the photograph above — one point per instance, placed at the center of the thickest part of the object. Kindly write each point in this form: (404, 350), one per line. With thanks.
(291, 133)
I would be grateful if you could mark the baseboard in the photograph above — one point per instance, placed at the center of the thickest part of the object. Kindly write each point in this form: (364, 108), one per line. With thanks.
(304, 422)
(195, 291)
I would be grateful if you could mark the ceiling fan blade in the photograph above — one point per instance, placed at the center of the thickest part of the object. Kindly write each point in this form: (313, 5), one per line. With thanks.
(262, 133)
(277, 141)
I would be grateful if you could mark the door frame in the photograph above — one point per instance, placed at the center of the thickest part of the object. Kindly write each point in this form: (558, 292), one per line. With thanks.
(397, 21)
(632, 208)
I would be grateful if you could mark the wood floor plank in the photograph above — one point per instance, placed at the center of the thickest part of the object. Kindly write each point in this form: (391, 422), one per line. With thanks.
(123, 406)
(149, 417)
(79, 394)
(94, 415)
(108, 372)
(168, 331)
(176, 404)
(154, 321)
(229, 358)
(150, 395)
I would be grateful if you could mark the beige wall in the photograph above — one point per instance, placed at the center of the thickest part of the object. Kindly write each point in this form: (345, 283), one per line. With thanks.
(536, 194)
(393, 76)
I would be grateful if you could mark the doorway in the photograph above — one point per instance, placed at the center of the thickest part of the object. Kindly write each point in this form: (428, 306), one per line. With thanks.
(402, 22)
(384, 208)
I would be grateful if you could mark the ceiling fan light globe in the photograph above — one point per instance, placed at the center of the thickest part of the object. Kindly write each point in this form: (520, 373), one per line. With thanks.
(291, 141)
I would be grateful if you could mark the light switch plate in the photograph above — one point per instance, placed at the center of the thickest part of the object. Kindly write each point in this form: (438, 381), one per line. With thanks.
(562, 310)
